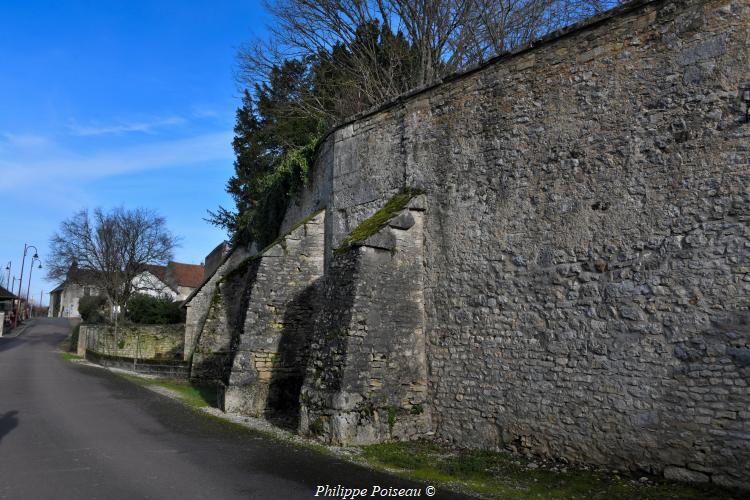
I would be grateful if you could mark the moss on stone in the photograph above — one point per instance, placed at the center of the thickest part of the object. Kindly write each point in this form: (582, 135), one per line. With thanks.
(379, 219)
(317, 427)
(391, 417)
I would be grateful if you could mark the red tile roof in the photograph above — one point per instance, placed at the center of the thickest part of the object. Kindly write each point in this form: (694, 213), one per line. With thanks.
(189, 275)
(158, 271)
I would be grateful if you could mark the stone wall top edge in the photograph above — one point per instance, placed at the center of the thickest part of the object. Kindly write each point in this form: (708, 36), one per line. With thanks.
(584, 24)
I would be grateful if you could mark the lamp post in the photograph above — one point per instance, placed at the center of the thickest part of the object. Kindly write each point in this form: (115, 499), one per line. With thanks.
(28, 288)
(7, 283)
(26, 249)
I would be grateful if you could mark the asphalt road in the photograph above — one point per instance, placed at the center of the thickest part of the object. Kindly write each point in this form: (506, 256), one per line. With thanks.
(72, 431)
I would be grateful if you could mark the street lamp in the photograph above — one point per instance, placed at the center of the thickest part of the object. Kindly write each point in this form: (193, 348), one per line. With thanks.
(7, 283)
(28, 288)
(26, 249)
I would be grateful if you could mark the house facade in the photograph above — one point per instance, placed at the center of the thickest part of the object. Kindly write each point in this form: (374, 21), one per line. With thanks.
(174, 281)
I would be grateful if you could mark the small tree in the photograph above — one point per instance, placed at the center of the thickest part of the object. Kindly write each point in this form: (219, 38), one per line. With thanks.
(91, 308)
(114, 248)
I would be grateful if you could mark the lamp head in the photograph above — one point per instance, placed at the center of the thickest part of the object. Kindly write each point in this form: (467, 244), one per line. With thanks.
(40, 266)
(35, 256)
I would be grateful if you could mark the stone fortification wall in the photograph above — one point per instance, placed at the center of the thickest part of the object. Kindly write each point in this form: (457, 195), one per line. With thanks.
(587, 247)
(133, 341)
(283, 297)
(577, 279)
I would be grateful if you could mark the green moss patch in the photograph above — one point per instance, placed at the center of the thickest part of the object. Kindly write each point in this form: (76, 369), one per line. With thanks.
(500, 475)
(379, 219)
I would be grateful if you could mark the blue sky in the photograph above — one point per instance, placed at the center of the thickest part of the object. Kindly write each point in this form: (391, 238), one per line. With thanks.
(117, 103)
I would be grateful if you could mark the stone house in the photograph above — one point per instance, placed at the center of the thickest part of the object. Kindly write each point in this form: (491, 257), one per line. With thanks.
(175, 281)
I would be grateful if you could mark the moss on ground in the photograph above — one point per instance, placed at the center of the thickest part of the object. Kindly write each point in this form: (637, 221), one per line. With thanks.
(499, 475)
(379, 219)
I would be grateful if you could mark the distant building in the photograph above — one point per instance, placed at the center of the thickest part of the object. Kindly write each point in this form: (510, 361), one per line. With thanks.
(183, 278)
(175, 281)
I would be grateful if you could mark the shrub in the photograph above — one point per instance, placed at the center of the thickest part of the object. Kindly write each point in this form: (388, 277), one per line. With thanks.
(150, 310)
(92, 308)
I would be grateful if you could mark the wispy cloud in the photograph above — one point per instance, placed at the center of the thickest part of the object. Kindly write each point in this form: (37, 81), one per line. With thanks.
(23, 140)
(118, 128)
(75, 168)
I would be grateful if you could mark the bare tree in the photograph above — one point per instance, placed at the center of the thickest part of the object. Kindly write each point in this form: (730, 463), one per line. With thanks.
(442, 36)
(110, 249)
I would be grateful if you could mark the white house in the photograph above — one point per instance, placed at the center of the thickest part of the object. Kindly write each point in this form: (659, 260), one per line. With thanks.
(175, 281)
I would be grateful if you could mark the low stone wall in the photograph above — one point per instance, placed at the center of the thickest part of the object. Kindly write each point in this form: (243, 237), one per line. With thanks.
(140, 342)
(161, 367)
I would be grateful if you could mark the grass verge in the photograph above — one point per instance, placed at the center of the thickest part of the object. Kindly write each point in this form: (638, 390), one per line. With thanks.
(195, 395)
(500, 475)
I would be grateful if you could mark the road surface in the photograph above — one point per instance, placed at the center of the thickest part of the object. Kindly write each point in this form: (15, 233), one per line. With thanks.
(69, 431)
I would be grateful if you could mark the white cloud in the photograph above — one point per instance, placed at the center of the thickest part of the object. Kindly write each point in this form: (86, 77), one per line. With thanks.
(23, 140)
(124, 127)
(64, 167)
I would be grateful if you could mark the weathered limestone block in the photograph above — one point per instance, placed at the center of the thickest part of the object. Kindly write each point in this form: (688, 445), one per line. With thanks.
(367, 374)
(271, 356)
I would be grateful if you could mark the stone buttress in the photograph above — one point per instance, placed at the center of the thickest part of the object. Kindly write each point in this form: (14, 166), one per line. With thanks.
(366, 377)
(271, 355)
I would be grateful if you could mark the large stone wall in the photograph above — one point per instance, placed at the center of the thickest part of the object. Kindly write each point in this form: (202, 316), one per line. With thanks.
(587, 243)
(584, 265)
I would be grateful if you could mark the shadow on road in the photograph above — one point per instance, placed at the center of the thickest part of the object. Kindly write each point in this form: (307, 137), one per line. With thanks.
(8, 343)
(8, 422)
